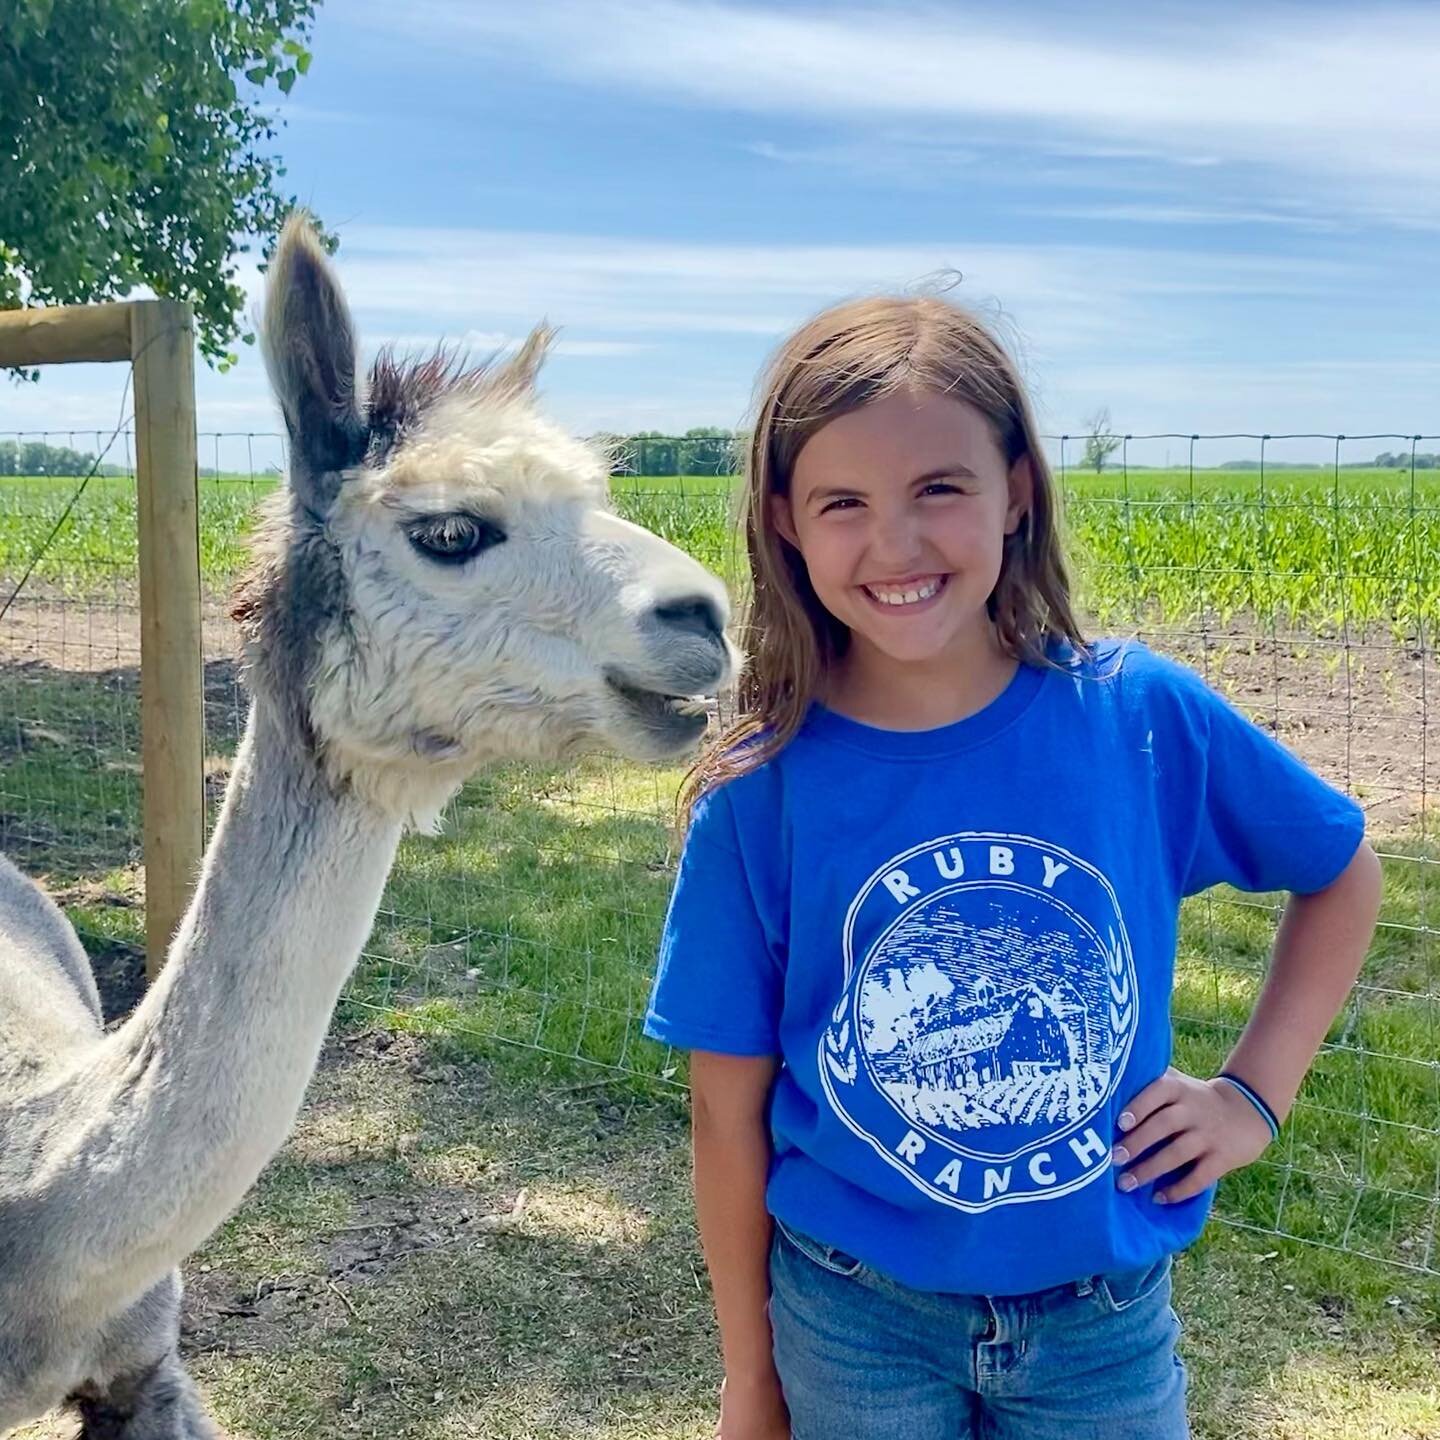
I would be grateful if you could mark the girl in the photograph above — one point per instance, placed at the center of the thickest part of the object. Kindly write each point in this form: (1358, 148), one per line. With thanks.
(922, 938)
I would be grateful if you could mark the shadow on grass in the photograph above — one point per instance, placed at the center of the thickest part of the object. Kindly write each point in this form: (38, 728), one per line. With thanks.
(70, 796)
(531, 925)
(70, 759)
(448, 1248)
(388, 1278)
(442, 1250)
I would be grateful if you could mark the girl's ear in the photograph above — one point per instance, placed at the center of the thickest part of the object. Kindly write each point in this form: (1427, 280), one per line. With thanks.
(1022, 493)
(783, 518)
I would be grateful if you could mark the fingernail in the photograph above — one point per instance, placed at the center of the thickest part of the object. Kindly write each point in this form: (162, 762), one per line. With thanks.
(1120, 1155)
(1127, 1120)
(1161, 1198)
(1128, 1182)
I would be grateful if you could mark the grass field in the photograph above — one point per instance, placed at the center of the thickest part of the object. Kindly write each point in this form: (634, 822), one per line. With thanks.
(476, 1238)
(1287, 547)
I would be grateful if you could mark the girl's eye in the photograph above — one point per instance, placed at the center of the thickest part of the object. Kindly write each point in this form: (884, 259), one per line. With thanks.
(941, 487)
(452, 539)
(846, 502)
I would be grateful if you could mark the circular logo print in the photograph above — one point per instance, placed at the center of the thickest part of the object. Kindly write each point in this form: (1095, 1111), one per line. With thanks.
(988, 1021)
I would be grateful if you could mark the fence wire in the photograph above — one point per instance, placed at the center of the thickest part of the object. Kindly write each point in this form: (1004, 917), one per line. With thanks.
(1308, 594)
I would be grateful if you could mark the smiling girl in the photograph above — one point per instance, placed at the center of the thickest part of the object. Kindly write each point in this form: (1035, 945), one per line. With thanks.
(922, 939)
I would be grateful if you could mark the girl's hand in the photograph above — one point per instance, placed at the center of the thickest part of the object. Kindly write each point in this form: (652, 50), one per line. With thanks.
(753, 1409)
(1178, 1121)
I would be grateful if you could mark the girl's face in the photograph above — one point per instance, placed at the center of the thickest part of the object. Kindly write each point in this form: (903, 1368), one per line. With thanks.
(900, 510)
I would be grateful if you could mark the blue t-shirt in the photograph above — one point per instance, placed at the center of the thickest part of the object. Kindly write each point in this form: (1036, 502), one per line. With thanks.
(960, 942)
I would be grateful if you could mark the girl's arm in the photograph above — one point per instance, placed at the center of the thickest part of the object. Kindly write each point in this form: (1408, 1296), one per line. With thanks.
(1208, 1124)
(1319, 949)
(729, 1097)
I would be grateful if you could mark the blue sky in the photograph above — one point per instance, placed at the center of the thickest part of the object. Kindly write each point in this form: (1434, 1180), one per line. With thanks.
(1213, 217)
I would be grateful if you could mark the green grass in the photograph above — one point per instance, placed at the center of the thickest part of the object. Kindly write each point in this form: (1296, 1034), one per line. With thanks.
(528, 930)
(511, 961)
(1296, 548)
(1290, 547)
(1304, 548)
(97, 547)
(448, 1250)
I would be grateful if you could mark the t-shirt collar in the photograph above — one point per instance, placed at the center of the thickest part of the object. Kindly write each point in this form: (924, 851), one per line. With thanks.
(824, 724)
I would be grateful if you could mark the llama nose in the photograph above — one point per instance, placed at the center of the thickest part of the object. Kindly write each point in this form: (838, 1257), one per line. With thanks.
(698, 614)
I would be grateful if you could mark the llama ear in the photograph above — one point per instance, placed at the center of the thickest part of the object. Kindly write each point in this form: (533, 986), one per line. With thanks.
(309, 344)
(517, 375)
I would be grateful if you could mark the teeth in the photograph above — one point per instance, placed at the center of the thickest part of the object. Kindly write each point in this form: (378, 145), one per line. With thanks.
(905, 597)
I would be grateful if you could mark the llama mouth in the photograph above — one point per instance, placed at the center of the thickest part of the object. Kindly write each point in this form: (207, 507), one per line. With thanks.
(656, 707)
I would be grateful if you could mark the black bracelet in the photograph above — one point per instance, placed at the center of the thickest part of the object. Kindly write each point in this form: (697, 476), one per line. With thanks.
(1266, 1113)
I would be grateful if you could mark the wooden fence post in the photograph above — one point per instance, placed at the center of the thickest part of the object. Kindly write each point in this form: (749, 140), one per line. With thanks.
(162, 347)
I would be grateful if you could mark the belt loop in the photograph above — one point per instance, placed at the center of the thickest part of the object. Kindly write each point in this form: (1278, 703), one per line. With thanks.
(1084, 1287)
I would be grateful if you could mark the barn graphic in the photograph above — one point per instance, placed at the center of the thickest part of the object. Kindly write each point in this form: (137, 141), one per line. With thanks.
(988, 1010)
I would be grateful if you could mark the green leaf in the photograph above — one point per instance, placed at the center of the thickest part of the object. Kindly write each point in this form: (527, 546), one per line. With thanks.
(159, 165)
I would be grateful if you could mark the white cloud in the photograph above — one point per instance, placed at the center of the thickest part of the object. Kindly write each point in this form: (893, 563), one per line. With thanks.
(452, 281)
(683, 328)
(500, 342)
(1343, 95)
(1356, 397)
(1149, 213)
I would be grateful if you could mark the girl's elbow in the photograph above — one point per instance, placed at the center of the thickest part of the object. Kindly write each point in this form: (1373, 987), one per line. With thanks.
(1365, 872)
(729, 1095)
(1360, 883)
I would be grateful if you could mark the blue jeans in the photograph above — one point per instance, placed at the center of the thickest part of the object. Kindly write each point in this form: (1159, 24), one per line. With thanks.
(865, 1358)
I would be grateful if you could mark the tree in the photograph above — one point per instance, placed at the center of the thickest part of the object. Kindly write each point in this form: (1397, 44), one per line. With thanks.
(134, 143)
(707, 450)
(34, 456)
(897, 1007)
(1100, 443)
(655, 454)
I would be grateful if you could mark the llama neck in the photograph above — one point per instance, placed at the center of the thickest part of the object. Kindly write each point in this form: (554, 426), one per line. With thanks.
(205, 1079)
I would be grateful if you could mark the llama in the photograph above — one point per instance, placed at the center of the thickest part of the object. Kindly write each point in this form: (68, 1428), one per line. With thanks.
(440, 584)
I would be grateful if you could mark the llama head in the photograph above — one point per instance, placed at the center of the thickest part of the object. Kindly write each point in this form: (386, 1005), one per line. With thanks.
(443, 581)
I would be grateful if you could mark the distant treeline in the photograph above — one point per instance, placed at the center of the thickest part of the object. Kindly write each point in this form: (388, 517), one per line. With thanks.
(34, 457)
(1383, 461)
(1403, 461)
(704, 450)
(711, 451)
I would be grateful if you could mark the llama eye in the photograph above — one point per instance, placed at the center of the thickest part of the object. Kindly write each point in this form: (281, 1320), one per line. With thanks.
(451, 539)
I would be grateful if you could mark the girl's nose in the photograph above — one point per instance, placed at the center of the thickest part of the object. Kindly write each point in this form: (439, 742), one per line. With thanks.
(896, 542)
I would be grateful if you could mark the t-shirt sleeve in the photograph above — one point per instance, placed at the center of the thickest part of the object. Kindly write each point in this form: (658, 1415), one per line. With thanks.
(720, 976)
(1266, 821)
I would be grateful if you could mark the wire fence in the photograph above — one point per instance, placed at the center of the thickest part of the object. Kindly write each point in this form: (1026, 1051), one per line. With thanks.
(1295, 573)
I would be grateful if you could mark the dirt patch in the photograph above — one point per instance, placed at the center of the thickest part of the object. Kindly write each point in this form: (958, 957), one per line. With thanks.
(96, 634)
(119, 970)
(1363, 710)
(384, 1228)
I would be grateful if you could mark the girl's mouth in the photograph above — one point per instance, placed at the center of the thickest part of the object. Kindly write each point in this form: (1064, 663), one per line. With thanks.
(903, 596)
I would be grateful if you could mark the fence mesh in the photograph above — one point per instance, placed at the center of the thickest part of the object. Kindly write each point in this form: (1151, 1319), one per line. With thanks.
(1307, 593)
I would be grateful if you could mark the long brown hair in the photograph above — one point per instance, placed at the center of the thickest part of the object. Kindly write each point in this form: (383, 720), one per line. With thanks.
(845, 358)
